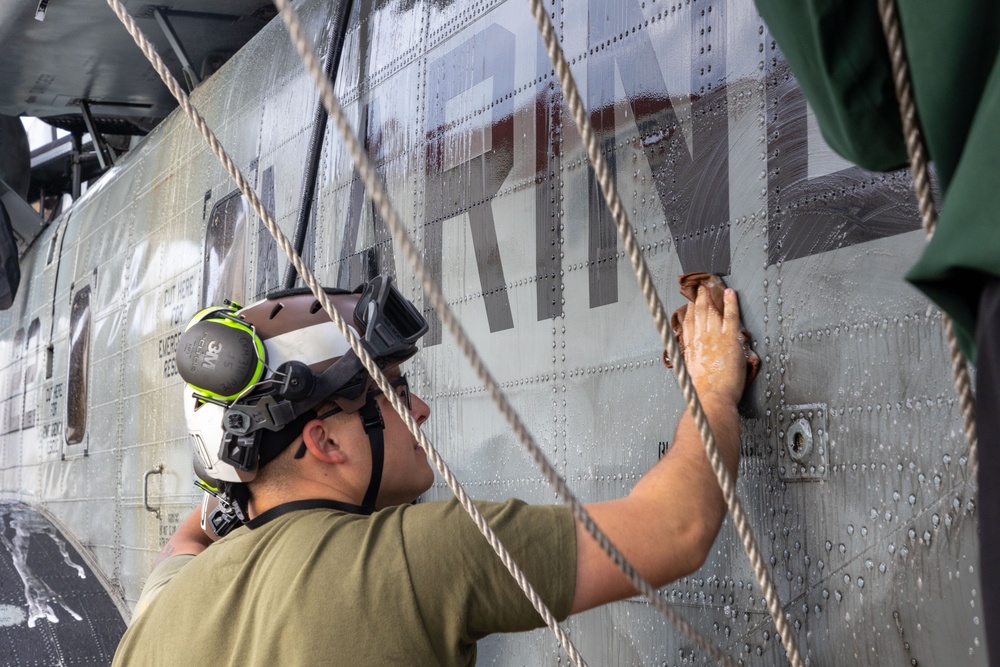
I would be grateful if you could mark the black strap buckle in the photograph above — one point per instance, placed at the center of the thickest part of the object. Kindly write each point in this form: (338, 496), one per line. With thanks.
(267, 412)
(371, 415)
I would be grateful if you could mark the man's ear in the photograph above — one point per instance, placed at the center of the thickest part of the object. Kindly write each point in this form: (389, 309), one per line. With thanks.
(317, 436)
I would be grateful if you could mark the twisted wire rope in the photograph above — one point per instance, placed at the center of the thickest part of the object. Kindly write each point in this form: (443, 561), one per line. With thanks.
(643, 276)
(376, 373)
(432, 292)
(920, 167)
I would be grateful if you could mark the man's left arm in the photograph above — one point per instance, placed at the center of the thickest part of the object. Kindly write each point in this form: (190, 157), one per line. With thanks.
(190, 538)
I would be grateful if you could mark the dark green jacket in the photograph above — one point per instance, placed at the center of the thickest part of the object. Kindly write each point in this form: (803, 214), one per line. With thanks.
(838, 54)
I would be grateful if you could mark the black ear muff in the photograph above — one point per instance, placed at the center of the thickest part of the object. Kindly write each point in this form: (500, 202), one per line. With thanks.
(220, 357)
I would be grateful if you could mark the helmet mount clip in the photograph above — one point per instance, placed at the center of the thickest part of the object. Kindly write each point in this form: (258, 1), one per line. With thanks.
(299, 380)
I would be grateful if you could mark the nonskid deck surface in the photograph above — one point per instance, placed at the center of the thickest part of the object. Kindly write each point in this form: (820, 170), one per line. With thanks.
(60, 613)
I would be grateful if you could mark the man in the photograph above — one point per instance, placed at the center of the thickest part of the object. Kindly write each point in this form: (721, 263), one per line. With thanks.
(336, 566)
(838, 54)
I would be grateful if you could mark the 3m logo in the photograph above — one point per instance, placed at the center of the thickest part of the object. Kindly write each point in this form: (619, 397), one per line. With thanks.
(212, 354)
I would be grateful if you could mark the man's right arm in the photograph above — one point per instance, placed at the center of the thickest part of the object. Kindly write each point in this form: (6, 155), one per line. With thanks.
(666, 526)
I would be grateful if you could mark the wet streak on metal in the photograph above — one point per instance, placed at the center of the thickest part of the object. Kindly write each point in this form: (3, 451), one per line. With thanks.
(353, 264)
(691, 180)
(548, 192)
(809, 216)
(382, 257)
(53, 610)
(377, 255)
(225, 251)
(266, 270)
(469, 186)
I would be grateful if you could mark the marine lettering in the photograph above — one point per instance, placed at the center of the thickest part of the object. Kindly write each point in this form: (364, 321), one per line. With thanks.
(463, 184)
(690, 176)
(687, 155)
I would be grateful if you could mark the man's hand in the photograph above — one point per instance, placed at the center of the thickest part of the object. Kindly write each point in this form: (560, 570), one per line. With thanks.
(713, 352)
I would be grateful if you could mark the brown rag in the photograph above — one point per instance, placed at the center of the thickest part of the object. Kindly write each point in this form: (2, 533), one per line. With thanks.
(690, 282)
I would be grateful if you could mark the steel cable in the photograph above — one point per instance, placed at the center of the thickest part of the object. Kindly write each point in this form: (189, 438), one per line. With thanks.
(634, 252)
(920, 167)
(366, 359)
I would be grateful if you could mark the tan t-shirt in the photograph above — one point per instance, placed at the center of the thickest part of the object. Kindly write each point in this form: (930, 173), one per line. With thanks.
(158, 578)
(410, 585)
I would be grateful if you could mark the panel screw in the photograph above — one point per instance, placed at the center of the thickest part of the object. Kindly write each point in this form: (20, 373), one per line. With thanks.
(799, 440)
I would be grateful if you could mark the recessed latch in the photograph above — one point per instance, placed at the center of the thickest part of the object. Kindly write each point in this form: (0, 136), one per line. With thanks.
(803, 454)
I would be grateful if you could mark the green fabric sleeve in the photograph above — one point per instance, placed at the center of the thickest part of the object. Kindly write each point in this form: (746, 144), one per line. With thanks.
(473, 595)
(836, 50)
(965, 250)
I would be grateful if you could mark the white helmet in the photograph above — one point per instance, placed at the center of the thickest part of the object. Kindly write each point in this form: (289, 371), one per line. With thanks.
(204, 423)
(258, 373)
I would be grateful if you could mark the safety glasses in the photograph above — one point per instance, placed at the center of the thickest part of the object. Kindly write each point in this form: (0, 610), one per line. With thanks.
(397, 384)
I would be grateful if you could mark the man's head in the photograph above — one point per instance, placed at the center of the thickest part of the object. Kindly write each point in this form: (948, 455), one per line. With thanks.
(261, 374)
(333, 454)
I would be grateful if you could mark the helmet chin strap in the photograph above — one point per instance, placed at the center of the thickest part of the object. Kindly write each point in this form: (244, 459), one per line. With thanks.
(371, 419)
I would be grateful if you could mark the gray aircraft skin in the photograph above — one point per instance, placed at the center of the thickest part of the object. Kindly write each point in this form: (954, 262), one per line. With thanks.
(854, 474)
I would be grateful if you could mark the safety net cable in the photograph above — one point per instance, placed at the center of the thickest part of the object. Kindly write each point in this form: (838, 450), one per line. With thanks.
(928, 214)
(634, 252)
(433, 293)
(442, 309)
(376, 373)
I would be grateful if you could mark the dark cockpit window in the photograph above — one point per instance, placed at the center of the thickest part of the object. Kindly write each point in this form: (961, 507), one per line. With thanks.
(79, 358)
(223, 268)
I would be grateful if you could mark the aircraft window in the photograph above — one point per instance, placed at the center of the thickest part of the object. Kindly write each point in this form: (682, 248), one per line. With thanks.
(32, 374)
(223, 270)
(34, 351)
(79, 357)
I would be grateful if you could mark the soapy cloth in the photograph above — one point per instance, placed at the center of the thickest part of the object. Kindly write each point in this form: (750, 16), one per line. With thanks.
(690, 282)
